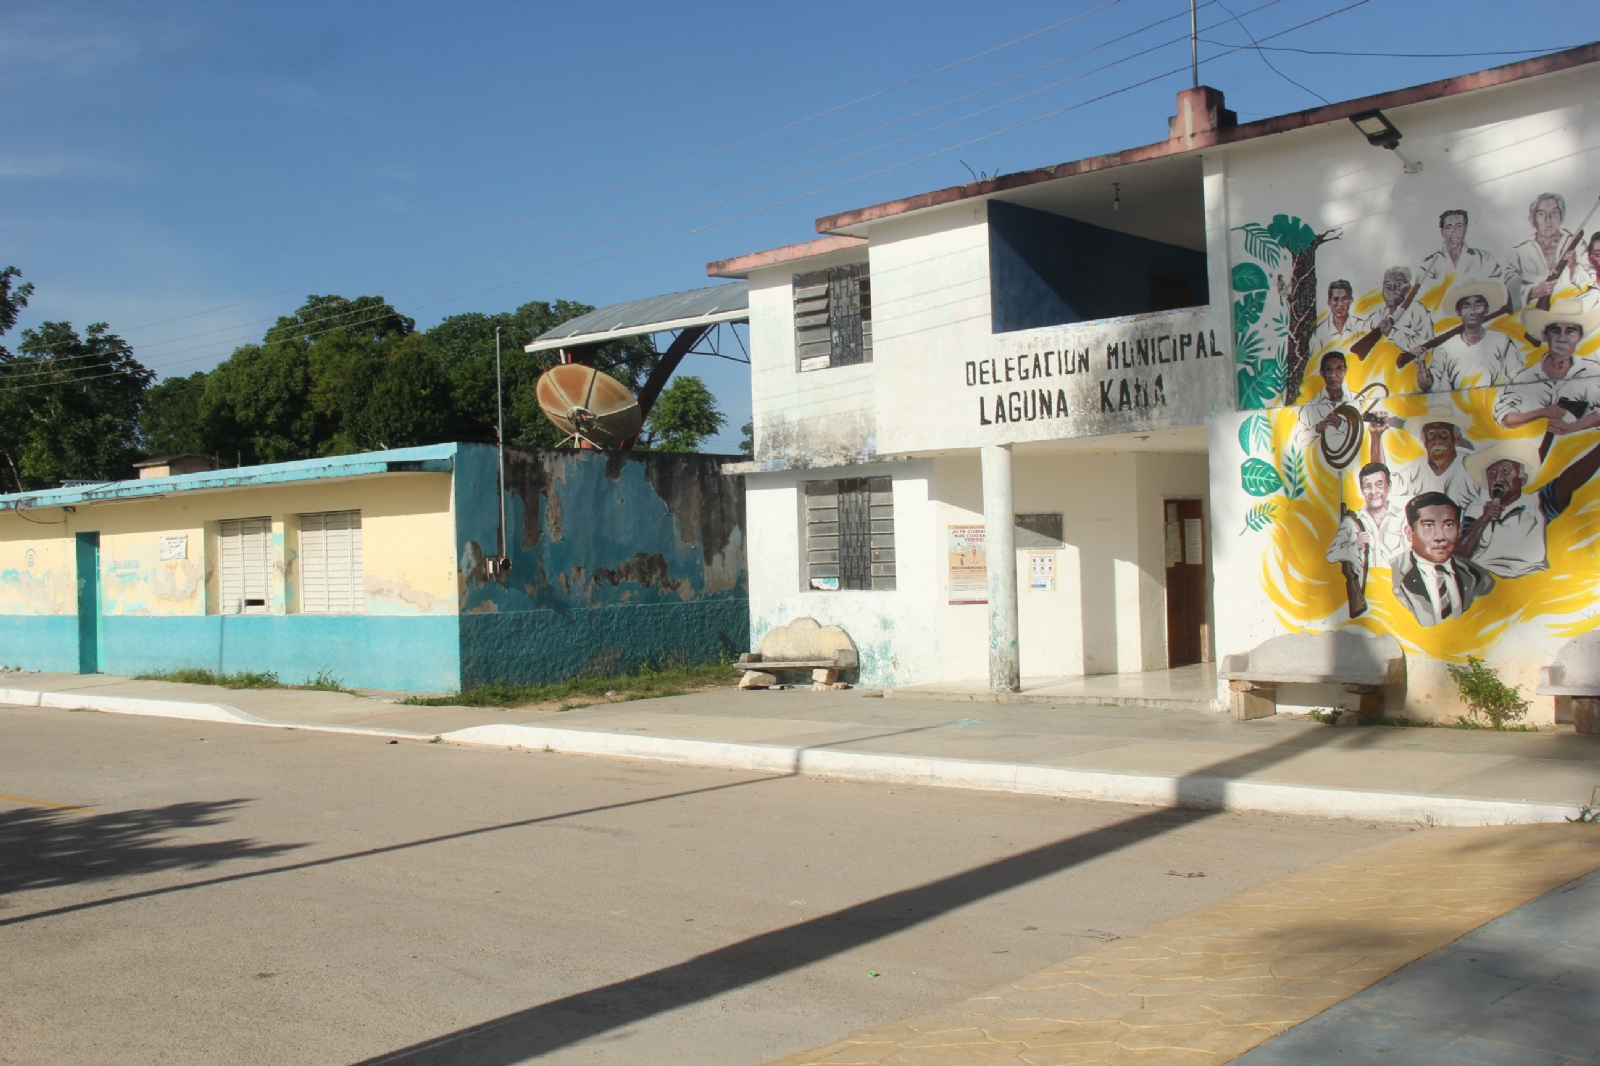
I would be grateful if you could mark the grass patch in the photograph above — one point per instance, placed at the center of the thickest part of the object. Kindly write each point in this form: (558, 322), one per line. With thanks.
(324, 681)
(582, 691)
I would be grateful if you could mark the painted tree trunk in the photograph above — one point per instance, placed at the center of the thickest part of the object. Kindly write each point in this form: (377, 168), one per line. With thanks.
(1302, 314)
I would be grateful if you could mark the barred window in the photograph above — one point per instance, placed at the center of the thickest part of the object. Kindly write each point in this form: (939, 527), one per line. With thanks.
(850, 534)
(833, 317)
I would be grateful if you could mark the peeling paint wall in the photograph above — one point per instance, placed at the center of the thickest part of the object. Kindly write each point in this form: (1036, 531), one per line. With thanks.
(618, 558)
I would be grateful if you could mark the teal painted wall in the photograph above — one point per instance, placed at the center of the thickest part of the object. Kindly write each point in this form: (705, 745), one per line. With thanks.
(618, 559)
(47, 642)
(418, 654)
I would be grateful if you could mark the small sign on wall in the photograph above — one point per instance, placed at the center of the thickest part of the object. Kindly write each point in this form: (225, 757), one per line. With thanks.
(969, 565)
(175, 547)
(1041, 571)
(1193, 546)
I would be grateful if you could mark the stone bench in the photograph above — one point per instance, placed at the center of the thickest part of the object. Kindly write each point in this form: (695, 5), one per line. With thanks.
(1574, 680)
(803, 644)
(1362, 664)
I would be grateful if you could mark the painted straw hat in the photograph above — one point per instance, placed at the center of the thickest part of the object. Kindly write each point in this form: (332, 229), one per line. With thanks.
(1493, 293)
(1566, 309)
(1522, 450)
(1441, 408)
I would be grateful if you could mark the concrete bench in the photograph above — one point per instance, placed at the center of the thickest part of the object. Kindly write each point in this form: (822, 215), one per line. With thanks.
(1574, 680)
(803, 644)
(1362, 664)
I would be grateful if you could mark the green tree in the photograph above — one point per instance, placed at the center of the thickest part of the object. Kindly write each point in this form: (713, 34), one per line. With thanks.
(747, 439)
(69, 404)
(12, 301)
(169, 419)
(256, 406)
(684, 415)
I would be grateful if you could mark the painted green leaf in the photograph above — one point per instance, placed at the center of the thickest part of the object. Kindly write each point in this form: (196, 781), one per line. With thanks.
(1259, 478)
(1247, 277)
(1293, 234)
(1247, 311)
(1255, 432)
(1294, 475)
(1260, 383)
(1259, 243)
(1258, 517)
(1248, 347)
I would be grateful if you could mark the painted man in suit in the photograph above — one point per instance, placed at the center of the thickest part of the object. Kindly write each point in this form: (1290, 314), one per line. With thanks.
(1430, 580)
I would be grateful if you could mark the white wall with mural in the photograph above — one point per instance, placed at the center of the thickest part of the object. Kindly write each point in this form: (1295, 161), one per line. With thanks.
(1417, 357)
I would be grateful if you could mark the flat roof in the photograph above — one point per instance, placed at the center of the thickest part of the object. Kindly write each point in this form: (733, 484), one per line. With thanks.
(741, 265)
(656, 314)
(432, 458)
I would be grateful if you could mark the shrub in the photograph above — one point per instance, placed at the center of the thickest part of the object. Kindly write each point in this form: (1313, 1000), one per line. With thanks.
(1486, 696)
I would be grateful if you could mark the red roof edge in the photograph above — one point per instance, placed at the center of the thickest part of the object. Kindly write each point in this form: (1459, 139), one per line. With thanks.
(1435, 90)
(740, 265)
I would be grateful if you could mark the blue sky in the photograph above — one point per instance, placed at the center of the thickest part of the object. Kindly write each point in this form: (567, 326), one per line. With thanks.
(173, 159)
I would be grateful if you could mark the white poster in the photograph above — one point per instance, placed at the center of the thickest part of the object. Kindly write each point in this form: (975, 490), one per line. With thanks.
(1192, 545)
(1041, 571)
(969, 565)
(175, 547)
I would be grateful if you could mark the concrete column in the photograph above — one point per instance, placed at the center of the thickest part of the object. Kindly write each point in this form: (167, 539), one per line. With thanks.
(1000, 545)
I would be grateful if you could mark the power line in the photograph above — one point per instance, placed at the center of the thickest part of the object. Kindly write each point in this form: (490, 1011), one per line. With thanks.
(863, 177)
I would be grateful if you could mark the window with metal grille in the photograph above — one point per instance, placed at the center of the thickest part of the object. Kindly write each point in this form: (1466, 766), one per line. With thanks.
(246, 572)
(330, 563)
(850, 534)
(833, 317)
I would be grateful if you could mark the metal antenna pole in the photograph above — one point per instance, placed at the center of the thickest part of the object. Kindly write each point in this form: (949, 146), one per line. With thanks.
(500, 437)
(1194, 47)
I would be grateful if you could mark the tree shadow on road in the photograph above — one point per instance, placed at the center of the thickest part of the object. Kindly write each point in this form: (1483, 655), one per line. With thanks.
(54, 848)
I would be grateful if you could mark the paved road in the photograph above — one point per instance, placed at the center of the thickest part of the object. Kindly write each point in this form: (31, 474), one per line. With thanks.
(245, 895)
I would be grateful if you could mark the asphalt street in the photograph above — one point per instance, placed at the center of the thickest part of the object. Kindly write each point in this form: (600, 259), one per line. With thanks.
(180, 892)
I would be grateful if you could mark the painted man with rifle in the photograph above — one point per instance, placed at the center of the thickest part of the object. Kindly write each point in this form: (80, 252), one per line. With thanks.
(1455, 264)
(1373, 536)
(1562, 387)
(1402, 319)
(1338, 327)
(1475, 356)
(1442, 432)
(1590, 296)
(1537, 264)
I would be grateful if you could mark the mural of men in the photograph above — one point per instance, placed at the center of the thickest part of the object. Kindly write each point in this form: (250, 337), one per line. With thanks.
(1561, 387)
(1409, 326)
(1338, 328)
(1440, 469)
(1317, 416)
(1590, 296)
(1372, 536)
(1431, 580)
(1456, 264)
(1477, 356)
(1532, 262)
(1507, 537)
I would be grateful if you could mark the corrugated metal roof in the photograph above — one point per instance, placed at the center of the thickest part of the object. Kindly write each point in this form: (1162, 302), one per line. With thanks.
(658, 314)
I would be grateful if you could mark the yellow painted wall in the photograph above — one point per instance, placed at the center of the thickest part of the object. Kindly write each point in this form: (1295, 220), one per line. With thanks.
(408, 547)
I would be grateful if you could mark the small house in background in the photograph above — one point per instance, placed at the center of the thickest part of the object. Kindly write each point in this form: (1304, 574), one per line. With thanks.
(168, 465)
(370, 568)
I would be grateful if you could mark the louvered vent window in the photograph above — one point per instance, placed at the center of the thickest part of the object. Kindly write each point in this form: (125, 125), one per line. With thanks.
(833, 317)
(330, 563)
(246, 565)
(850, 534)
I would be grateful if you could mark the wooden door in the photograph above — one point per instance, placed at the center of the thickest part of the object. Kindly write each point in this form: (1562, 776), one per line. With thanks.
(1186, 582)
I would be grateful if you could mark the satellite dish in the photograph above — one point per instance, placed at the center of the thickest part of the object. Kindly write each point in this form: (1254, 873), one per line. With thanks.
(589, 405)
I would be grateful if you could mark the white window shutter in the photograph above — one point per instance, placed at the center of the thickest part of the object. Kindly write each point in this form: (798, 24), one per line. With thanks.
(330, 563)
(246, 579)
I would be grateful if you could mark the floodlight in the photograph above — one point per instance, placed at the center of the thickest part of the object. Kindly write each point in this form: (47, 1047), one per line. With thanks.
(1381, 133)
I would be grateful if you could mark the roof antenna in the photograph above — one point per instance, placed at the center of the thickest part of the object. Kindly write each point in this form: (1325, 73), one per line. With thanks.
(1194, 47)
(964, 163)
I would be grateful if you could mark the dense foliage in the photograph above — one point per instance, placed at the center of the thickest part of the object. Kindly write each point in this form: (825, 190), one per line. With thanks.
(337, 376)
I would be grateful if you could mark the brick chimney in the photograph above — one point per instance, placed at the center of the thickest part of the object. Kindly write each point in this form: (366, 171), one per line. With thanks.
(1200, 111)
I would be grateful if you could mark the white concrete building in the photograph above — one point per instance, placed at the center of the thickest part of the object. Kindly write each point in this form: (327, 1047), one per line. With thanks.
(1121, 369)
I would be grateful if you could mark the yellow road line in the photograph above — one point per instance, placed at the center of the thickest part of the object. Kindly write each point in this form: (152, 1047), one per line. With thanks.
(42, 803)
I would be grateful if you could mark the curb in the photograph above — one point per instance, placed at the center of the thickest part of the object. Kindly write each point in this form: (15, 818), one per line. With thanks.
(1194, 793)
(1158, 703)
(1152, 790)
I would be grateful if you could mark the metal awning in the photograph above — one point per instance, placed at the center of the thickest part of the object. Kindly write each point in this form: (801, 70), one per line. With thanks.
(658, 314)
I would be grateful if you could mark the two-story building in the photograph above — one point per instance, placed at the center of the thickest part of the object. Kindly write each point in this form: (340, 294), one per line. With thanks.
(1153, 408)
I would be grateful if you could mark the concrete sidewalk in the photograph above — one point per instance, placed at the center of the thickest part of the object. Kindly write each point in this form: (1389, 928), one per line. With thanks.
(1162, 757)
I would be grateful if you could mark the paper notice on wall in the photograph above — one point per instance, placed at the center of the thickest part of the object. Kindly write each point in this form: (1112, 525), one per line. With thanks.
(1192, 546)
(1174, 543)
(969, 565)
(175, 547)
(1041, 571)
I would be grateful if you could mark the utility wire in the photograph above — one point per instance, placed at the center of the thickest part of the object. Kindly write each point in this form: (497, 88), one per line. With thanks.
(1028, 122)
(1263, 56)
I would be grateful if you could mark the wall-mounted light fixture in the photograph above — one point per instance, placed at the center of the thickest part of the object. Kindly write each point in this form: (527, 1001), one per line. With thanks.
(1381, 133)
